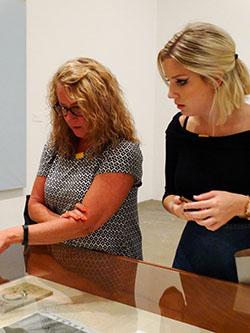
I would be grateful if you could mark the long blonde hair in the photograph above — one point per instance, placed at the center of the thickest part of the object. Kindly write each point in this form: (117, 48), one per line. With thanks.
(97, 93)
(210, 52)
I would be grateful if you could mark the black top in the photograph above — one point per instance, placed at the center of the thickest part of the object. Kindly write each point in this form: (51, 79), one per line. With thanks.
(196, 165)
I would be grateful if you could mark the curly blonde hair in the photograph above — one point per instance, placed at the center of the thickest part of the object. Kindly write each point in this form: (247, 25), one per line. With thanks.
(98, 95)
(209, 51)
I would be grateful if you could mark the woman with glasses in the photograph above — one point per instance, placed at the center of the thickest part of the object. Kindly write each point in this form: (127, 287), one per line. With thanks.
(208, 148)
(85, 192)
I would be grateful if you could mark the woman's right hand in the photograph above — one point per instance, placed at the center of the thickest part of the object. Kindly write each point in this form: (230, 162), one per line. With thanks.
(174, 205)
(78, 213)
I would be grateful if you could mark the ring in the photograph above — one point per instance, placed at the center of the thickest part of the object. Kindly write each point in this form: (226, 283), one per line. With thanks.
(65, 213)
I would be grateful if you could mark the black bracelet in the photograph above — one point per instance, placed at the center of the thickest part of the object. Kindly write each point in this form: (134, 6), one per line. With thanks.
(25, 234)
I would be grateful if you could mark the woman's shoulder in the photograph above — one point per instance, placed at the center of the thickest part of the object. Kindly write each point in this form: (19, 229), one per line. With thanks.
(239, 124)
(127, 144)
(246, 115)
(123, 147)
(176, 125)
(125, 157)
(177, 120)
(49, 148)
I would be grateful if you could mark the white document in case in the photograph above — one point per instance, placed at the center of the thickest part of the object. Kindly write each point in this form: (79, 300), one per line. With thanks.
(21, 294)
(242, 259)
(46, 322)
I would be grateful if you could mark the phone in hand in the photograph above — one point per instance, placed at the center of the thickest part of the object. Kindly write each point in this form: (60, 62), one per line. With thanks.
(183, 199)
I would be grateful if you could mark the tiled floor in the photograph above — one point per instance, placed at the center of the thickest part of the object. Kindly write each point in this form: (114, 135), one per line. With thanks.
(160, 232)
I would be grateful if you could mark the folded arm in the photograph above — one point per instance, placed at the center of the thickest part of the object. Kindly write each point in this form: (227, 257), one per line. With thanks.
(103, 199)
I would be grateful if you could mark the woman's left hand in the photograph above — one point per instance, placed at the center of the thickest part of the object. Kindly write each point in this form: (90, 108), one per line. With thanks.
(215, 208)
(78, 213)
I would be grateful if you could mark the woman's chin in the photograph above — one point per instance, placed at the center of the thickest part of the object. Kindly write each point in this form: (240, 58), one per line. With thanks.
(78, 133)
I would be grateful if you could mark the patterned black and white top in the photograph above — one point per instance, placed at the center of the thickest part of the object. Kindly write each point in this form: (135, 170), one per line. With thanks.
(68, 180)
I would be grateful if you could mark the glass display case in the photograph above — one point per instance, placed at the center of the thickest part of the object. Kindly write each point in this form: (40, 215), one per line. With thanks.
(62, 289)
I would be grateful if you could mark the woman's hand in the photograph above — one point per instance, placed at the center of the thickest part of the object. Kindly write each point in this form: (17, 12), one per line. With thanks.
(10, 236)
(215, 208)
(4, 243)
(174, 205)
(78, 213)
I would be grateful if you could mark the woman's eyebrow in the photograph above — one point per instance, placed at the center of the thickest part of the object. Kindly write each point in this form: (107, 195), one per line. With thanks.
(72, 106)
(176, 76)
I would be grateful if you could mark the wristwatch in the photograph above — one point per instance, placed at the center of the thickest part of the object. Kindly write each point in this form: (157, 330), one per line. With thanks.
(247, 209)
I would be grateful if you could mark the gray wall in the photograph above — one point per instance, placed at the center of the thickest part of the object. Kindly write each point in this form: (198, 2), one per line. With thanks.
(12, 94)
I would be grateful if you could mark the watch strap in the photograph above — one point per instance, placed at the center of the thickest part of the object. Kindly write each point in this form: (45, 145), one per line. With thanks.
(25, 234)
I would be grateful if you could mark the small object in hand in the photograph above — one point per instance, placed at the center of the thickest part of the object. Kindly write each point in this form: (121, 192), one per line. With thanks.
(183, 199)
(65, 214)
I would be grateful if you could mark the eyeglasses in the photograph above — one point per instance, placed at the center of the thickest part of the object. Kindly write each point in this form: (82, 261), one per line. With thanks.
(62, 111)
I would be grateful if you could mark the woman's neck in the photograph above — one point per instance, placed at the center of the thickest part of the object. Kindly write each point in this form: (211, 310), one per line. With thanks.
(238, 121)
(81, 146)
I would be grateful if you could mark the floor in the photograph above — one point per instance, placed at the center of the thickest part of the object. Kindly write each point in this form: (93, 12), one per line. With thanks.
(160, 232)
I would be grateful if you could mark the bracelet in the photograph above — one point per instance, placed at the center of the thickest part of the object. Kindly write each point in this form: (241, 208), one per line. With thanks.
(25, 234)
(247, 208)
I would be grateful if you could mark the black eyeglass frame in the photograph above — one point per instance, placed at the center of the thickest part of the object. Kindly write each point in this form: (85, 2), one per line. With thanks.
(59, 110)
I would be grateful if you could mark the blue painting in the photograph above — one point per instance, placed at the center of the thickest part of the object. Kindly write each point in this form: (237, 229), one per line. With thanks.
(12, 94)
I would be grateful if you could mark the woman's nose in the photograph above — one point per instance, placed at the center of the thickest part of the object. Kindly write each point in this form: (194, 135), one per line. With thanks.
(171, 92)
(69, 116)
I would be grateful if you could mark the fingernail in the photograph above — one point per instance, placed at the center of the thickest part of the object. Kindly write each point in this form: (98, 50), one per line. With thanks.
(84, 218)
(77, 217)
(83, 209)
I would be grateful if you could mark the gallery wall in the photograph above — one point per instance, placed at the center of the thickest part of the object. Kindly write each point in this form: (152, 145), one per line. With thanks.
(119, 34)
(124, 35)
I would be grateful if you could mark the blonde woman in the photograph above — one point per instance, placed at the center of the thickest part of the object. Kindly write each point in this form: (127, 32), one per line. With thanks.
(208, 148)
(85, 192)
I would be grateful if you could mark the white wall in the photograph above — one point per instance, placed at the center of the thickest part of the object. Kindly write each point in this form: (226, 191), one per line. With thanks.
(172, 16)
(120, 34)
(124, 35)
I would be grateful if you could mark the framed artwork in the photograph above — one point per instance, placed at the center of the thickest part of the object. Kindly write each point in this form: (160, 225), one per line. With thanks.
(20, 295)
(12, 94)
